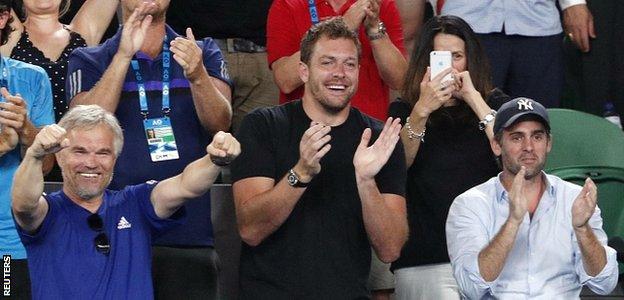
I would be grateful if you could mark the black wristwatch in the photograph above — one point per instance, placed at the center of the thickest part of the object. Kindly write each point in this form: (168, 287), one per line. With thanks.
(293, 179)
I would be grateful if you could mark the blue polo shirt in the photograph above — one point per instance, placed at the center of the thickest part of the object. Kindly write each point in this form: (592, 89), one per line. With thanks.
(33, 84)
(134, 165)
(62, 257)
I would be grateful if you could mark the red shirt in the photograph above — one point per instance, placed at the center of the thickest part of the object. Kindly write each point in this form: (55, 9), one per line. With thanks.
(290, 19)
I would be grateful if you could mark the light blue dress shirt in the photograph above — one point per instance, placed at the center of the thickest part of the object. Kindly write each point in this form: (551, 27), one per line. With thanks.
(545, 261)
(32, 83)
(521, 17)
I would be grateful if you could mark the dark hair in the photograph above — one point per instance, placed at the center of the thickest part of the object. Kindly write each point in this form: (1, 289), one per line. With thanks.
(476, 63)
(5, 6)
(334, 28)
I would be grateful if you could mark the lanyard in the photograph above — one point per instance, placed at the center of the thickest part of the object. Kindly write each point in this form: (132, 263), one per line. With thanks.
(313, 12)
(166, 59)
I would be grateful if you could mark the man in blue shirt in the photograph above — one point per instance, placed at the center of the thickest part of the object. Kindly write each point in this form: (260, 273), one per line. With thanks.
(86, 241)
(523, 38)
(154, 80)
(526, 234)
(25, 105)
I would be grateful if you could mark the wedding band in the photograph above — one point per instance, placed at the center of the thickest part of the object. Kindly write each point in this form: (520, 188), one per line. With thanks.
(571, 35)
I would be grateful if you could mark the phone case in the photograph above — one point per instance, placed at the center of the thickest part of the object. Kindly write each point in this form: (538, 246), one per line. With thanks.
(440, 61)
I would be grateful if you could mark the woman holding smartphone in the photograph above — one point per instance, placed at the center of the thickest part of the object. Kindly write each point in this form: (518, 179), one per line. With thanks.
(446, 139)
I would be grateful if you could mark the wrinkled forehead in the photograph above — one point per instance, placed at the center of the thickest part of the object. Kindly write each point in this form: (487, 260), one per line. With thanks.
(95, 138)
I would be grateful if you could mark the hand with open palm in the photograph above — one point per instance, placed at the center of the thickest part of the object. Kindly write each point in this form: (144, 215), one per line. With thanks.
(368, 160)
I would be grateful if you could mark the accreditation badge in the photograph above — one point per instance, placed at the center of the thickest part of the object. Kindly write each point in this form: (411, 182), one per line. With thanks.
(160, 139)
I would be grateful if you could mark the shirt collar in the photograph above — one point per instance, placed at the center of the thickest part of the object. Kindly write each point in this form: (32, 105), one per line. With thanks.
(501, 193)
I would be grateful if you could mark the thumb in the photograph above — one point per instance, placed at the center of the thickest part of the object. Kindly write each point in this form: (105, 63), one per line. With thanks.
(365, 138)
(189, 34)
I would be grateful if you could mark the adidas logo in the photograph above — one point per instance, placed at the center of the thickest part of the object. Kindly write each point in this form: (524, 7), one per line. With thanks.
(123, 223)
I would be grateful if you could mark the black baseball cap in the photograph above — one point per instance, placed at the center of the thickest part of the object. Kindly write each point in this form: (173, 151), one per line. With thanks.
(515, 109)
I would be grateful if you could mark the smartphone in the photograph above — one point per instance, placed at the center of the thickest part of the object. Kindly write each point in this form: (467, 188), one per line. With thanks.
(438, 62)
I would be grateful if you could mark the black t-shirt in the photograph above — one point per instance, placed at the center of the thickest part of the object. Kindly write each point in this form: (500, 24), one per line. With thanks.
(454, 158)
(221, 19)
(322, 250)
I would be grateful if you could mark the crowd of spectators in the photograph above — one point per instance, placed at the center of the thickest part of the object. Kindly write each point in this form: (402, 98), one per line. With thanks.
(340, 190)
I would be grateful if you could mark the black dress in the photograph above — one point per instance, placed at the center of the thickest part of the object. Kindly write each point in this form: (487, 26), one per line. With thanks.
(25, 51)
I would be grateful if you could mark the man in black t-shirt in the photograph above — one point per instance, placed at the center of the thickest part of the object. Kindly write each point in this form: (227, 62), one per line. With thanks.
(311, 195)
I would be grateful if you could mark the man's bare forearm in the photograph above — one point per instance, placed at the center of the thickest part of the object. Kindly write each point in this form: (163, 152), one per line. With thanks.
(286, 73)
(390, 62)
(594, 254)
(26, 193)
(386, 226)
(107, 91)
(260, 215)
(213, 108)
(492, 258)
(194, 181)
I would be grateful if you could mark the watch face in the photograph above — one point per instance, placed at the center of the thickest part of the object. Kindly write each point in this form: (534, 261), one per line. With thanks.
(292, 180)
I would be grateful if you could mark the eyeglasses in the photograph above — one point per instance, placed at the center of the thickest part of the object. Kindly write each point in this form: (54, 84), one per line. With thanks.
(101, 242)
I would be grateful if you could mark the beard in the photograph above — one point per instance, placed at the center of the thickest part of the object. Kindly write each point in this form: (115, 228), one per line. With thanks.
(531, 173)
(335, 106)
(86, 193)
(332, 108)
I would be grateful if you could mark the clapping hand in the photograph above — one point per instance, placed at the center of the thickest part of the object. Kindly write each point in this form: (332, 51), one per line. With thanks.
(313, 146)
(368, 161)
(356, 13)
(585, 204)
(188, 55)
(518, 202)
(134, 30)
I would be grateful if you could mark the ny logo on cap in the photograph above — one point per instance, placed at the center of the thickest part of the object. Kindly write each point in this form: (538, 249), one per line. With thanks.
(525, 104)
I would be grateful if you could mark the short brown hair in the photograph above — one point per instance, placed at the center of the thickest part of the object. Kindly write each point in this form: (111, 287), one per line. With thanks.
(334, 28)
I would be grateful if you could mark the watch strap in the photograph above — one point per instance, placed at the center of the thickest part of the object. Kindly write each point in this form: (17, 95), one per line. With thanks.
(293, 179)
(489, 118)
